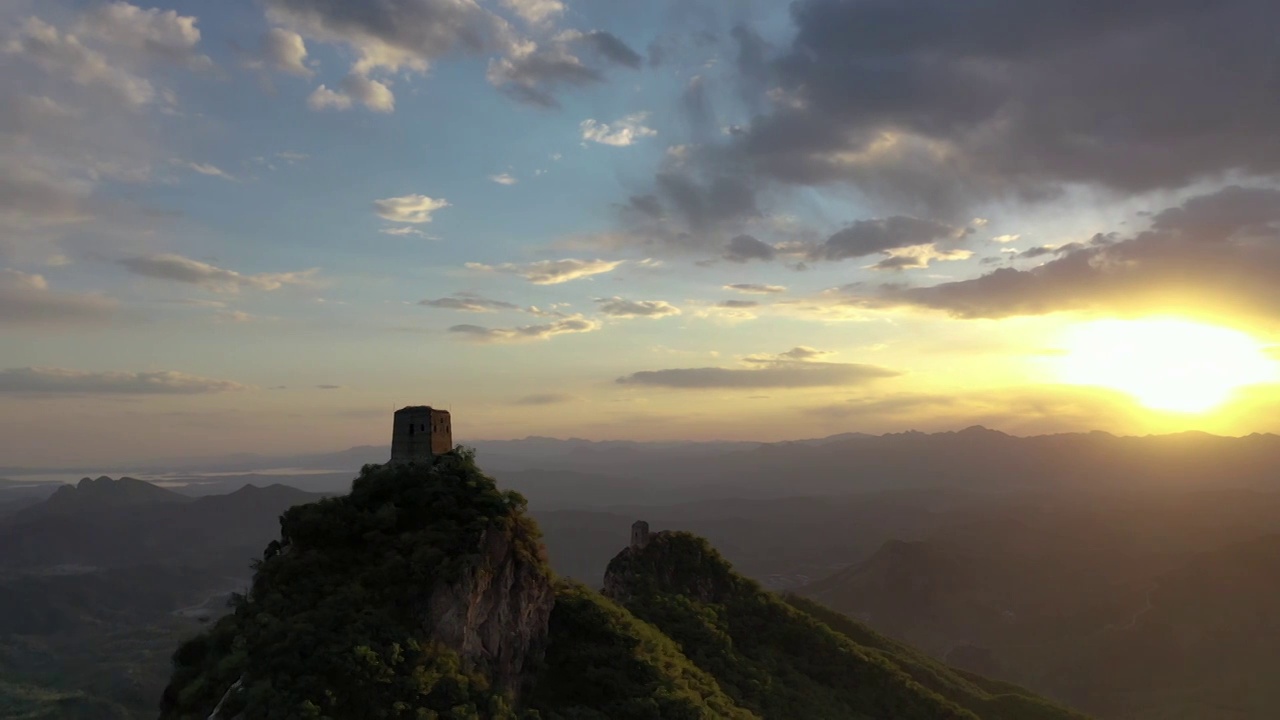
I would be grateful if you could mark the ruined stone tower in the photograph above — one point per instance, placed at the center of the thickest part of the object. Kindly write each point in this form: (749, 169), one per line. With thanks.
(639, 534)
(420, 434)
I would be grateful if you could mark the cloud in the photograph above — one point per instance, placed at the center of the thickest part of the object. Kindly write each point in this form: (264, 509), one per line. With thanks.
(938, 105)
(756, 288)
(64, 55)
(469, 302)
(535, 12)
(743, 248)
(233, 316)
(551, 272)
(59, 381)
(397, 36)
(544, 399)
(27, 301)
(329, 387)
(620, 133)
(1006, 238)
(372, 94)
(867, 237)
(403, 230)
(286, 51)
(504, 179)
(783, 371)
(738, 304)
(408, 208)
(532, 73)
(393, 35)
(210, 170)
(798, 353)
(573, 324)
(618, 307)
(182, 269)
(156, 35)
(1216, 255)
(919, 256)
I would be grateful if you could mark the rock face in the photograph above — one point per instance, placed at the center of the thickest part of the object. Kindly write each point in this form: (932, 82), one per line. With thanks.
(673, 562)
(496, 615)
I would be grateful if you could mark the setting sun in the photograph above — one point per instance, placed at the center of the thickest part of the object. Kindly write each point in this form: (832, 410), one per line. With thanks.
(1166, 363)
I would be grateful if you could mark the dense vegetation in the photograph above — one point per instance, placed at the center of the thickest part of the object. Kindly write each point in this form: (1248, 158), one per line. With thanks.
(332, 627)
(781, 661)
(605, 664)
(329, 629)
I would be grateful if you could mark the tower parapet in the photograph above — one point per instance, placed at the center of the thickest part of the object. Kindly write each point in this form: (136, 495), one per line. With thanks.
(420, 434)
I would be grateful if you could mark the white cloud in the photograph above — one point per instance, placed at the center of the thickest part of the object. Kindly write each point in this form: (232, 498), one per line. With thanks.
(286, 51)
(620, 133)
(60, 381)
(181, 269)
(372, 94)
(153, 35)
(551, 272)
(1005, 238)
(210, 170)
(620, 307)
(504, 179)
(406, 230)
(918, 256)
(408, 208)
(323, 98)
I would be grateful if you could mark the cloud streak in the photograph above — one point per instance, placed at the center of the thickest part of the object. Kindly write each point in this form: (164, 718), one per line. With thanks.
(60, 381)
(182, 269)
(551, 272)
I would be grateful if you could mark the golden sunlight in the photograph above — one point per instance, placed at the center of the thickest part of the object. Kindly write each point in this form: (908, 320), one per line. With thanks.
(1165, 363)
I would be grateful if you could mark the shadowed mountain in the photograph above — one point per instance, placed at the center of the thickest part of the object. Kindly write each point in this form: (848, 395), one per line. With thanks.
(89, 496)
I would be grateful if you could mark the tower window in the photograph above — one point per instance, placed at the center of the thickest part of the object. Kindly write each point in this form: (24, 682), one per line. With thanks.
(410, 428)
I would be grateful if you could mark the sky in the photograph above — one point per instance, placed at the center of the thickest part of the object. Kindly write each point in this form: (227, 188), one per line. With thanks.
(260, 226)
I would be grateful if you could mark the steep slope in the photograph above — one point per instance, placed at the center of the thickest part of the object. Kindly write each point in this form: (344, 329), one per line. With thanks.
(423, 591)
(425, 594)
(780, 661)
(603, 663)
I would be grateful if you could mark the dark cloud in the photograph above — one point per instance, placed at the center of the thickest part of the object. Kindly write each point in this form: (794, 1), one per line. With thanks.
(612, 48)
(938, 104)
(45, 380)
(328, 387)
(773, 375)
(867, 237)
(1214, 254)
(534, 76)
(546, 331)
(703, 204)
(469, 302)
(738, 304)
(756, 288)
(544, 399)
(745, 247)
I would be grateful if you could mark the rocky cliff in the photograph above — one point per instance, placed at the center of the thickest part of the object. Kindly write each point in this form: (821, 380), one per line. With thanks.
(423, 591)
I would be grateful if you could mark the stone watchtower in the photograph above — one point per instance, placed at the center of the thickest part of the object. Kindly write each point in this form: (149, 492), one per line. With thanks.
(639, 534)
(420, 434)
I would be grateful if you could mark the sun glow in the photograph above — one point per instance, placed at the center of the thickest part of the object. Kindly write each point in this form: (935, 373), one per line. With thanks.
(1165, 363)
